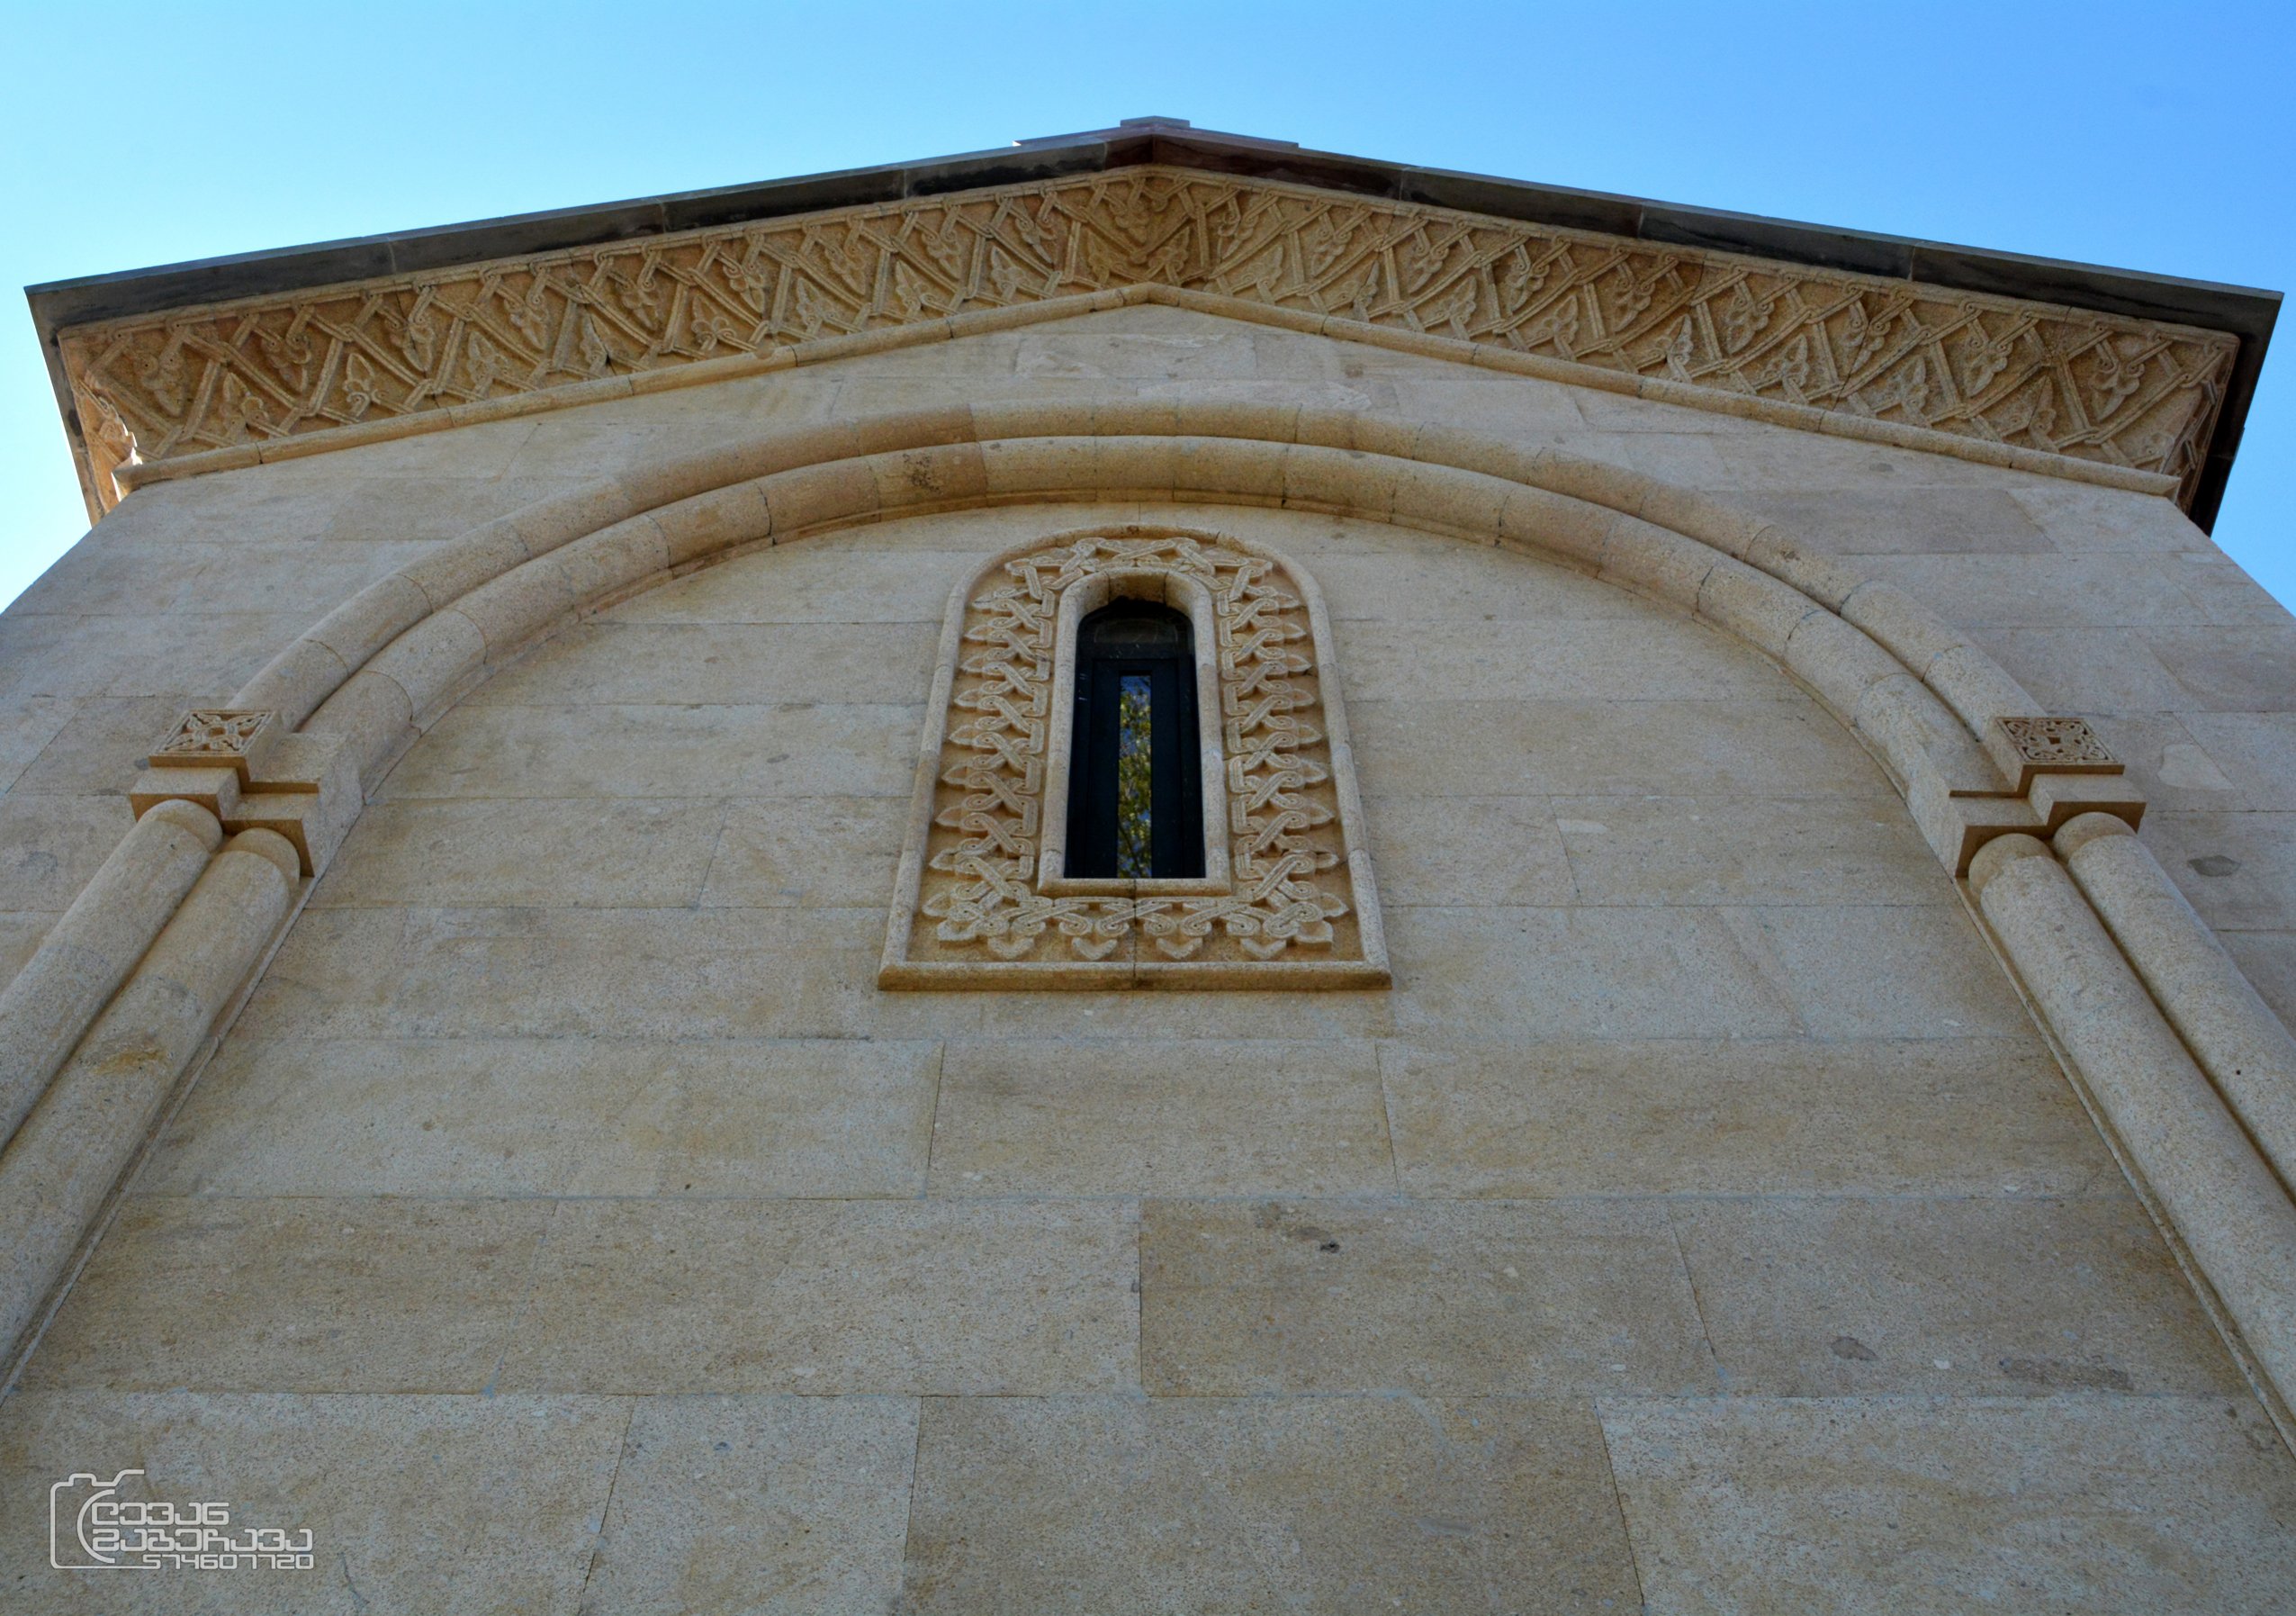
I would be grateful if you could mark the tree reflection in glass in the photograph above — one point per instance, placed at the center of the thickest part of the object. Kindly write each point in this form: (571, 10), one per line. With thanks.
(1134, 774)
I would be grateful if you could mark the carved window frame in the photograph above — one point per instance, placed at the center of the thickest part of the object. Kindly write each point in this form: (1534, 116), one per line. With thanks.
(1287, 899)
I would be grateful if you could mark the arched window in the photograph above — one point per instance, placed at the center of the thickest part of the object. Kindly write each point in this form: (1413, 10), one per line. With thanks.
(1134, 771)
(1135, 795)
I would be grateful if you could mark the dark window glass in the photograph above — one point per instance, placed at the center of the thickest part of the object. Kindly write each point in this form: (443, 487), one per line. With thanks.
(1135, 792)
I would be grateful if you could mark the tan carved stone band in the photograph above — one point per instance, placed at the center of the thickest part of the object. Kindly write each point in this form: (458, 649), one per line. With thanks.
(2127, 394)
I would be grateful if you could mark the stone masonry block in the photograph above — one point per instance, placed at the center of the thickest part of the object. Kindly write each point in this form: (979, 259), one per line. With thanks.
(216, 790)
(2059, 799)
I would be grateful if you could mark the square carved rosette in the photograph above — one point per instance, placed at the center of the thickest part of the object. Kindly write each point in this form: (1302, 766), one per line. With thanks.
(2030, 746)
(219, 738)
(1292, 902)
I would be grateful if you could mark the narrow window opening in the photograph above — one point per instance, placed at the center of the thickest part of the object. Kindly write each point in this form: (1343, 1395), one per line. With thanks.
(1135, 795)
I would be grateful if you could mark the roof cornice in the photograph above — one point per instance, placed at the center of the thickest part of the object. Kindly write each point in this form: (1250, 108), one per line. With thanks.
(2244, 314)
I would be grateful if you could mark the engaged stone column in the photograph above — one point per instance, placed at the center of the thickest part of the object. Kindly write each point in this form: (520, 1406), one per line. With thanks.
(88, 954)
(2240, 1042)
(63, 1162)
(2224, 1200)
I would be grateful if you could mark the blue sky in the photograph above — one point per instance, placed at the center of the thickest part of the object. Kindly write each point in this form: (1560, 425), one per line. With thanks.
(2158, 138)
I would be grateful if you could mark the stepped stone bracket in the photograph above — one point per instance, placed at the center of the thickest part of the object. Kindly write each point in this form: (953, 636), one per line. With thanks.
(246, 767)
(2057, 769)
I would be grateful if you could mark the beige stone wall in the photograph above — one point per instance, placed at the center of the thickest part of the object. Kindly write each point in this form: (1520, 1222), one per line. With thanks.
(1700, 1131)
(2103, 603)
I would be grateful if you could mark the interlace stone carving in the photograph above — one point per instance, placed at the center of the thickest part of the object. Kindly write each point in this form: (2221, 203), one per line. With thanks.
(2125, 391)
(2059, 744)
(214, 738)
(978, 898)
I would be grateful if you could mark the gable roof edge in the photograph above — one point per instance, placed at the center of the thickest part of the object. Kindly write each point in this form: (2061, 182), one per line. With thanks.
(2245, 312)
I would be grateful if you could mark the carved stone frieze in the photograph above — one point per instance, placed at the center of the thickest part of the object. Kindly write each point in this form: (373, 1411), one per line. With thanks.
(1292, 901)
(2123, 392)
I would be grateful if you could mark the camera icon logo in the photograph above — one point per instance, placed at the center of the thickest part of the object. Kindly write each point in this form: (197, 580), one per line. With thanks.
(82, 1524)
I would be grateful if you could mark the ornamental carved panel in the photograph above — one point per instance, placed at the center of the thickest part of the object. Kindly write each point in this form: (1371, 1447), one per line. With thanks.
(211, 738)
(2126, 391)
(2067, 745)
(1287, 897)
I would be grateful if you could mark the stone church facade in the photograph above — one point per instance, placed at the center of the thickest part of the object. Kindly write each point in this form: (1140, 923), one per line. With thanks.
(1716, 1042)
